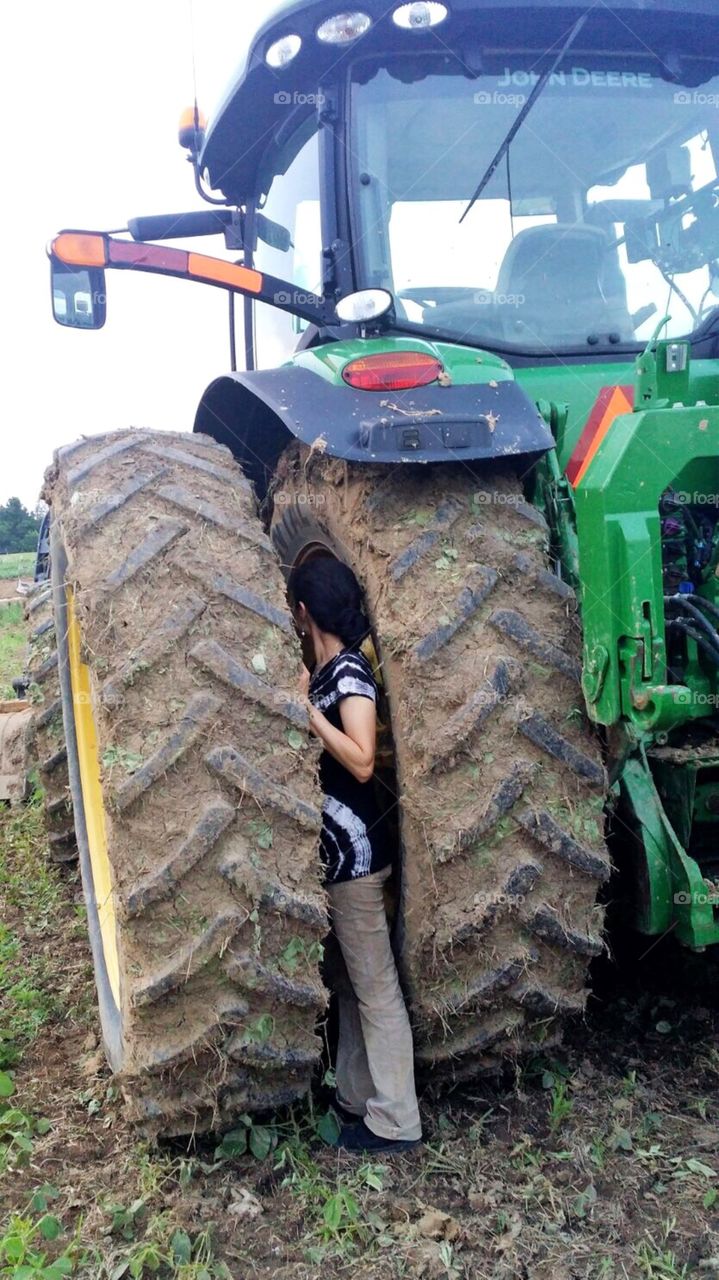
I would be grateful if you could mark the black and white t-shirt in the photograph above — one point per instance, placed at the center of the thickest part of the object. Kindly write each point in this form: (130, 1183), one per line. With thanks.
(354, 840)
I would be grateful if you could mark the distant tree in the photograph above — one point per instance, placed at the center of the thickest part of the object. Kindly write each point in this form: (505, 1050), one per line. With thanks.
(18, 527)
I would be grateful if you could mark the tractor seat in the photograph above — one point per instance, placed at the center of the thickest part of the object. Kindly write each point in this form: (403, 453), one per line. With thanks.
(559, 283)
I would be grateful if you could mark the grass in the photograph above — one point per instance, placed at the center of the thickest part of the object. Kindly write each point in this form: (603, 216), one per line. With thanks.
(18, 564)
(29, 893)
(598, 1164)
(13, 644)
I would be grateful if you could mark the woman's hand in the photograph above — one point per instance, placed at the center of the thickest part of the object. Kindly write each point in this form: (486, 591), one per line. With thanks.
(304, 682)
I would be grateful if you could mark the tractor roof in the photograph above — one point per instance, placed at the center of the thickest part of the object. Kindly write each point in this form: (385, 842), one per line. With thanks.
(255, 108)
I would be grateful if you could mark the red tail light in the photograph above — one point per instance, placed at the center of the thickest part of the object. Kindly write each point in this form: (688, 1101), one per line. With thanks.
(392, 371)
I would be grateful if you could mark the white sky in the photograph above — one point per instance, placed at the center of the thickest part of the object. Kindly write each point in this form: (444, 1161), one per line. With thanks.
(92, 94)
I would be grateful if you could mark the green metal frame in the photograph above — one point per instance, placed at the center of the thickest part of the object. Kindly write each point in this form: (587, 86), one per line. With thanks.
(606, 537)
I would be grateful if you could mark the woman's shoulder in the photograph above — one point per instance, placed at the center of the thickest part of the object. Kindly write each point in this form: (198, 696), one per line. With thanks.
(352, 674)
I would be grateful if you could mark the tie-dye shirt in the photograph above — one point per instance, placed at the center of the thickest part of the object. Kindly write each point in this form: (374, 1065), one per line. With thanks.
(354, 840)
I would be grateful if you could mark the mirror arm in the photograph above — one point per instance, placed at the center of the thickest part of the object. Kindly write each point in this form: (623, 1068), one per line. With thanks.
(95, 249)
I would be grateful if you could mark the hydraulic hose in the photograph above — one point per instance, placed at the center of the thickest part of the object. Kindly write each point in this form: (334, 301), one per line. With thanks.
(685, 627)
(703, 623)
(703, 603)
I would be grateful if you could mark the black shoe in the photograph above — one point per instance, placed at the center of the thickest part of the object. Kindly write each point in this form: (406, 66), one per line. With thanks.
(360, 1139)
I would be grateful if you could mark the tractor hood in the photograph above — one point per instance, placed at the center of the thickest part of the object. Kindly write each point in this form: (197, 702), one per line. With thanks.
(255, 108)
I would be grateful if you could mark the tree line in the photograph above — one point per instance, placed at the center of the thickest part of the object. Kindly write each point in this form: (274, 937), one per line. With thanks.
(18, 527)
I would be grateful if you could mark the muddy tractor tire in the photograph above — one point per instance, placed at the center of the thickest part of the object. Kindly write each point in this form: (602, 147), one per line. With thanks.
(499, 777)
(193, 778)
(47, 735)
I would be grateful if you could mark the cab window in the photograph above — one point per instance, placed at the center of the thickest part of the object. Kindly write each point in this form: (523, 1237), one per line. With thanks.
(288, 239)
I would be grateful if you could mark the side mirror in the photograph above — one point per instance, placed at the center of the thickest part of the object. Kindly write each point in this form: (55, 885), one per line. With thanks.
(78, 295)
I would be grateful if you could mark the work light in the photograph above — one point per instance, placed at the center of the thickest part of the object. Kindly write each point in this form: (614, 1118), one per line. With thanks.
(366, 304)
(420, 14)
(283, 51)
(343, 28)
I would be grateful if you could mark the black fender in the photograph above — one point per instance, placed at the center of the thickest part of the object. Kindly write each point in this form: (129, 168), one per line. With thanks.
(257, 414)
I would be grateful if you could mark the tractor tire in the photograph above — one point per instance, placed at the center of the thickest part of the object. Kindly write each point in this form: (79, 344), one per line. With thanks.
(193, 779)
(47, 736)
(499, 775)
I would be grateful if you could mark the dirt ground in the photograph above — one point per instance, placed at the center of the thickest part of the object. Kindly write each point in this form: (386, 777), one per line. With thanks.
(600, 1161)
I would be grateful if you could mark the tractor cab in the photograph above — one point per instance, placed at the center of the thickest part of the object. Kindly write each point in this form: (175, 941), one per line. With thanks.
(520, 177)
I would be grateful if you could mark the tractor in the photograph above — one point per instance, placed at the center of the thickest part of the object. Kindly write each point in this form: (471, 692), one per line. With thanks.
(473, 291)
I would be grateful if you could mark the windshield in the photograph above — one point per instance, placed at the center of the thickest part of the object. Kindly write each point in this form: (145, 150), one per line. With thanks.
(602, 218)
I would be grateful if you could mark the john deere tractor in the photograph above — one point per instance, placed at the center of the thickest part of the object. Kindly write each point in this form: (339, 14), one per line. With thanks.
(475, 246)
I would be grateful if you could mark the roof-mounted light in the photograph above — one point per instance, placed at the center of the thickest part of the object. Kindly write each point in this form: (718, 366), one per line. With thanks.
(343, 28)
(283, 51)
(366, 304)
(420, 14)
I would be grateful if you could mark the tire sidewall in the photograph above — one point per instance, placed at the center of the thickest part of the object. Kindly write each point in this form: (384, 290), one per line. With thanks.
(110, 1014)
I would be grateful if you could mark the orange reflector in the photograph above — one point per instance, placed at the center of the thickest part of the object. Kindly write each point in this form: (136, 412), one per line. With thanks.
(80, 249)
(392, 371)
(204, 268)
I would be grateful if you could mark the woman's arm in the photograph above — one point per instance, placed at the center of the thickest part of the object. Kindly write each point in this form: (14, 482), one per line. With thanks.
(355, 747)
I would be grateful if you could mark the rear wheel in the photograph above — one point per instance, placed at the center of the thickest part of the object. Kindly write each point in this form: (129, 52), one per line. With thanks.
(47, 739)
(196, 806)
(500, 780)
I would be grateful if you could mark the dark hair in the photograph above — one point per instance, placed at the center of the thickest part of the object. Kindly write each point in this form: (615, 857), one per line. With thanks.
(332, 595)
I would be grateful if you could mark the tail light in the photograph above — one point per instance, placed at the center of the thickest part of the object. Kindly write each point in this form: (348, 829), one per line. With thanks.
(392, 371)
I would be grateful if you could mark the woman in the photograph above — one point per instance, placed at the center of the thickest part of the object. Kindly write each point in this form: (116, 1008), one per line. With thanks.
(375, 1066)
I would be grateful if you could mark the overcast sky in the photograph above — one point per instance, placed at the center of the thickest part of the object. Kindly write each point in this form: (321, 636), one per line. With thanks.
(92, 96)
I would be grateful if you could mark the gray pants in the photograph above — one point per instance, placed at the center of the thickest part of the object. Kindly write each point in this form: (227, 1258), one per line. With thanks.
(375, 1059)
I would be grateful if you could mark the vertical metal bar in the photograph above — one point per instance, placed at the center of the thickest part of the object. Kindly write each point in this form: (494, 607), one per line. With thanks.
(233, 342)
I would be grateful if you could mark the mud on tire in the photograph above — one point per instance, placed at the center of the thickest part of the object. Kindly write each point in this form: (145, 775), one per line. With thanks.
(209, 793)
(47, 736)
(500, 779)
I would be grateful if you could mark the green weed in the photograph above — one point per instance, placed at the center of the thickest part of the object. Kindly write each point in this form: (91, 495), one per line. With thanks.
(334, 1212)
(13, 643)
(17, 1128)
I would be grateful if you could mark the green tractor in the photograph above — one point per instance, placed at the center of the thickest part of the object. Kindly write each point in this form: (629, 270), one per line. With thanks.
(475, 246)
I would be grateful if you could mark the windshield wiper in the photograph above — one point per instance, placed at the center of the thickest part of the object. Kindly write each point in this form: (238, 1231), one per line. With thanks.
(538, 88)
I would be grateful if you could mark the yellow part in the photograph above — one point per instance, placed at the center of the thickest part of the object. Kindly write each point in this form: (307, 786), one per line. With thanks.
(89, 763)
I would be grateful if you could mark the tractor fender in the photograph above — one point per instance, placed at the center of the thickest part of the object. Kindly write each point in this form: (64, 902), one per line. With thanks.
(257, 414)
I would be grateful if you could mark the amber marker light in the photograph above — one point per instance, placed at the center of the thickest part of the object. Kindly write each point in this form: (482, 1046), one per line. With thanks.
(189, 128)
(80, 249)
(202, 267)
